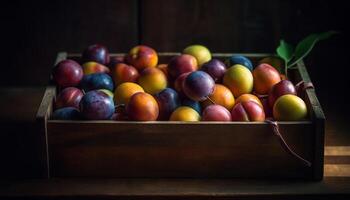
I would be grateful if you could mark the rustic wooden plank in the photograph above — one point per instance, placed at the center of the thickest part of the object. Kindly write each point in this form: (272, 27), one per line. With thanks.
(337, 151)
(146, 149)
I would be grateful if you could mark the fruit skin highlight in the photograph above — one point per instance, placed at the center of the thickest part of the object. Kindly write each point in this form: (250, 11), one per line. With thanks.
(280, 89)
(185, 113)
(215, 68)
(289, 108)
(122, 73)
(239, 80)
(181, 64)
(69, 97)
(67, 73)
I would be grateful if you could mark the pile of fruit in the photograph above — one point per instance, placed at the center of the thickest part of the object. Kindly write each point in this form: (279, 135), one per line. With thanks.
(192, 86)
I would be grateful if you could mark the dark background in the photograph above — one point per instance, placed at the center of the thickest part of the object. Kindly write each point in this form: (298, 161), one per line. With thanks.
(32, 32)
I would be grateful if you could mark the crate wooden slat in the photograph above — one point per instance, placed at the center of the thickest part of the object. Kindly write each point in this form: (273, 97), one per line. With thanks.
(184, 150)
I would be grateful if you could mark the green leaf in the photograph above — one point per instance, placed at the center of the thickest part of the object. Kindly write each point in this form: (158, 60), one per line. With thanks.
(285, 51)
(305, 46)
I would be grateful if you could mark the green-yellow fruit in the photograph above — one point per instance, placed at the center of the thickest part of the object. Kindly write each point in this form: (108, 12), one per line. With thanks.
(289, 107)
(200, 52)
(239, 80)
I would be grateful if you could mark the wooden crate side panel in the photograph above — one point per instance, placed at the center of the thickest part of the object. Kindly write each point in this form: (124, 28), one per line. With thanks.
(176, 150)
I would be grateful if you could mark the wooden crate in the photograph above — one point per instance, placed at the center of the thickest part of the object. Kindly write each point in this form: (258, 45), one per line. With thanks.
(117, 149)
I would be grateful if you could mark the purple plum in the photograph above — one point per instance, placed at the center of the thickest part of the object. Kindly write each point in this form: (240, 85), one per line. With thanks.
(69, 97)
(96, 105)
(67, 73)
(168, 100)
(97, 81)
(66, 113)
(198, 85)
(215, 68)
(97, 53)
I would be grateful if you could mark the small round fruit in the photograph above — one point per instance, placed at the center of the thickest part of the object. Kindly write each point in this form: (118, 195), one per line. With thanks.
(265, 77)
(94, 67)
(200, 52)
(142, 57)
(239, 80)
(69, 97)
(289, 108)
(67, 73)
(142, 107)
(179, 82)
(97, 53)
(122, 73)
(248, 111)
(97, 81)
(216, 113)
(185, 113)
(280, 89)
(66, 113)
(275, 62)
(168, 100)
(124, 91)
(152, 80)
(241, 60)
(181, 64)
(96, 105)
(248, 97)
(215, 68)
(198, 85)
(221, 96)
(192, 104)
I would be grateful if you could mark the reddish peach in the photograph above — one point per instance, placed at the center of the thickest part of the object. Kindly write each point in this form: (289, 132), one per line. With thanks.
(181, 64)
(122, 73)
(179, 81)
(216, 113)
(142, 57)
(248, 97)
(221, 96)
(247, 111)
(265, 77)
(142, 107)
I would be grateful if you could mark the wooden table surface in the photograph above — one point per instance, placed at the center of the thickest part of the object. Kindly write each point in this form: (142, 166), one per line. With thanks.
(18, 107)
